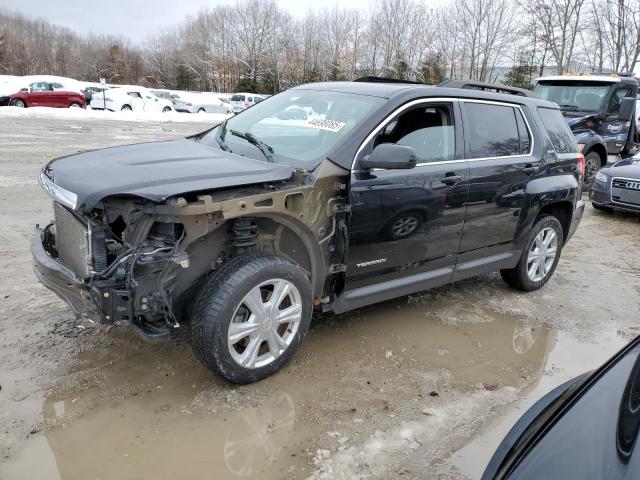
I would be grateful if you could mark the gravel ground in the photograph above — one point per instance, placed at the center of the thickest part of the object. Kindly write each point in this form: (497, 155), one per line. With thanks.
(389, 391)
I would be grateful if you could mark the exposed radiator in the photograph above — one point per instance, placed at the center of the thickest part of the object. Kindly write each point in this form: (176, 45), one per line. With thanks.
(72, 240)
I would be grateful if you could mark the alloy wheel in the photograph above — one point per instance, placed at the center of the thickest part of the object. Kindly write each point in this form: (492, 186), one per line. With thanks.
(265, 323)
(542, 254)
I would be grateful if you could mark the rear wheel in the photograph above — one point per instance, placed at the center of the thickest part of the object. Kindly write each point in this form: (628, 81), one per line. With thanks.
(251, 317)
(75, 105)
(126, 108)
(592, 164)
(19, 103)
(539, 258)
(201, 110)
(166, 109)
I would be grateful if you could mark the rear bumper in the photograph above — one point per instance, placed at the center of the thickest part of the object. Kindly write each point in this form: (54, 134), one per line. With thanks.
(58, 278)
(578, 212)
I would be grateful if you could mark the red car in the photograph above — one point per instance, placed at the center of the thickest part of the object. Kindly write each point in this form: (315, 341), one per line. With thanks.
(44, 94)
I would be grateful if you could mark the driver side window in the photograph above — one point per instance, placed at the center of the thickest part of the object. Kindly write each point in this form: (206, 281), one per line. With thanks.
(428, 129)
(616, 99)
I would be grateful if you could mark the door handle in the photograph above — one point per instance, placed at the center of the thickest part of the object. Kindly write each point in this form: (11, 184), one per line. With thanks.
(451, 180)
(530, 169)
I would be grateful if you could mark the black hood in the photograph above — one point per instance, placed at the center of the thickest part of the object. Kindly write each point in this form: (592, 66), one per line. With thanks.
(576, 121)
(157, 171)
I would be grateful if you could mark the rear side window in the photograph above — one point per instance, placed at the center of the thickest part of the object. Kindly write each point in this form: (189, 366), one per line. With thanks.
(492, 131)
(559, 133)
(237, 98)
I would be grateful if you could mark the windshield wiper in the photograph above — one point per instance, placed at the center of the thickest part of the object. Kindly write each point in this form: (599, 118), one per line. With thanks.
(220, 136)
(266, 150)
(568, 107)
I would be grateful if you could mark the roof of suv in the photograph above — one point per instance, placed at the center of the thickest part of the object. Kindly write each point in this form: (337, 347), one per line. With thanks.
(397, 90)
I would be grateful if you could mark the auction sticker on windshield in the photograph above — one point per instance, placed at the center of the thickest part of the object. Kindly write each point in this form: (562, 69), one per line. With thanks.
(329, 125)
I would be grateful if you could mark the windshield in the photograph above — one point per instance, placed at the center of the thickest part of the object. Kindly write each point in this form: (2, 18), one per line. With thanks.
(237, 98)
(300, 126)
(587, 96)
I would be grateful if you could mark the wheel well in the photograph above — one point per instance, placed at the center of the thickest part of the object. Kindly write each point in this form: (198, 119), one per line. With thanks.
(562, 211)
(601, 151)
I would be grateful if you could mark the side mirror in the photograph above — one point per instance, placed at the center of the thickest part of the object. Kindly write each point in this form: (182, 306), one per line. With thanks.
(627, 104)
(390, 156)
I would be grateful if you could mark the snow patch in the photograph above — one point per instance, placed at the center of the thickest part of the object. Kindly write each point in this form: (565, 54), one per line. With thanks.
(386, 453)
(131, 116)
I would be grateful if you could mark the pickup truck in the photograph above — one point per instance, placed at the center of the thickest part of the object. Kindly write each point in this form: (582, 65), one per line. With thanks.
(599, 109)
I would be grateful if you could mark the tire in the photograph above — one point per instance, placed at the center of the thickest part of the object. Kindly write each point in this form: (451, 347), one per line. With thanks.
(229, 298)
(592, 164)
(125, 108)
(201, 110)
(166, 109)
(19, 103)
(402, 225)
(75, 105)
(520, 277)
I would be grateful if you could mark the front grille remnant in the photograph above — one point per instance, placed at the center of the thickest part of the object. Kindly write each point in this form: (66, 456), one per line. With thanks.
(71, 240)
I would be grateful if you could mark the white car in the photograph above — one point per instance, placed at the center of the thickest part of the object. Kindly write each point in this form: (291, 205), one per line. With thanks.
(201, 103)
(241, 101)
(130, 98)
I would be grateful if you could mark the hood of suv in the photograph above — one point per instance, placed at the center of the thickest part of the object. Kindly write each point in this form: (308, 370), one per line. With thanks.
(157, 171)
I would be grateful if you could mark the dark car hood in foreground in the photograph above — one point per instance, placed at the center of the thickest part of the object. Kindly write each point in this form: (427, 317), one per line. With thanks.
(157, 171)
(628, 168)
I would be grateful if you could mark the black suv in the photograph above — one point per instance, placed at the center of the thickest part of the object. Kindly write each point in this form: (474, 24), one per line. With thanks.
(247, 228)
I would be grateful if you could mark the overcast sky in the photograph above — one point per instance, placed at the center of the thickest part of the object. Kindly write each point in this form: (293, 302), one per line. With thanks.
(137, 19)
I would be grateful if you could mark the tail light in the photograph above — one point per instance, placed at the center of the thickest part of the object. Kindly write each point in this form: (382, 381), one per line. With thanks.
(107, 99)
(188, 104)
(581, 162)
(246, 104)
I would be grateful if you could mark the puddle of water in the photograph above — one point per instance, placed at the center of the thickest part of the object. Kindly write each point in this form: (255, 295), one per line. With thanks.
(137, 411)
(568, 358)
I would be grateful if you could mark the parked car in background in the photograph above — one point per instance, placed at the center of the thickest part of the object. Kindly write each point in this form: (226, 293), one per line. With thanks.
(130, 98)
(202, 103)
(617, 186)
(241, 101)
(44, 94)
(246, 228)
(586, 429)
(599, 109)
(167, 95)
(89, 92)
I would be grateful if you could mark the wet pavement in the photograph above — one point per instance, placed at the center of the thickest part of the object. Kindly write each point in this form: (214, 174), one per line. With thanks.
(393, 390)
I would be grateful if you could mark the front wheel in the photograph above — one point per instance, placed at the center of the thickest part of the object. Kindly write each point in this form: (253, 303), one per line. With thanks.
(592, 164)
(251, 317)
(166, 109)
(19, 103)
(540, 257)
(126, 108)
(75, 105)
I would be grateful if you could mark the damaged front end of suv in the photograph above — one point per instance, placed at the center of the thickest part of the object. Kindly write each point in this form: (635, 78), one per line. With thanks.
(139, 255)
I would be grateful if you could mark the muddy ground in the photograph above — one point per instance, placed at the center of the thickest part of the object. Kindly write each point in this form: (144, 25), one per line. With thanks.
(390, 391)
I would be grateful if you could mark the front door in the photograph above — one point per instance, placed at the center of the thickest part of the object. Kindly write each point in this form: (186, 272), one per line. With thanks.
(499, 147)
(405, 222)
(613, 130)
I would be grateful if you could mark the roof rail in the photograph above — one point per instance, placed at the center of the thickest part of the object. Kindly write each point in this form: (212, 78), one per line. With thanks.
(374, 79)
(486, 87)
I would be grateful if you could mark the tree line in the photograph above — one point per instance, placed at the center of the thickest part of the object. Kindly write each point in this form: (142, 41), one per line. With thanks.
(255, 45)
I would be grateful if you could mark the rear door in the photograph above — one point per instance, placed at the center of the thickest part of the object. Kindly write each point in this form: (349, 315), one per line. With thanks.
(407, 222)
(499, 148)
